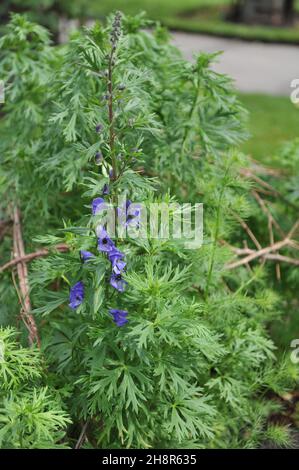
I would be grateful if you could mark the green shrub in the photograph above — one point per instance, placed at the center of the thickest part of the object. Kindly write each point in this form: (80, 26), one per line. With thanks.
(190, 363)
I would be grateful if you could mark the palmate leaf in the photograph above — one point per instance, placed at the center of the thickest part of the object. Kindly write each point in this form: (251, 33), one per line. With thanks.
(54, 300)
(121, 384)
(189, 416)
(65, 344)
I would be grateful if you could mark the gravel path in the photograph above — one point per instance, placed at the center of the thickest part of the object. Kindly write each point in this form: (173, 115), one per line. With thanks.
(255, 67)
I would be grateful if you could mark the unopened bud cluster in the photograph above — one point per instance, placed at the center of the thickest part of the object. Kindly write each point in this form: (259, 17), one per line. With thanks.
(116, 30)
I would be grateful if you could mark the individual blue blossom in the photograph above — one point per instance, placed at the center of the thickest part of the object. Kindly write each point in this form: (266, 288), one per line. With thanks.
(118, 282)
(111, 174)
(116, 259)
(98, 158)
(98, 204)
(105, 243)
(99, 128)
(133, 215)
(76, 295)
(130, 215)
(105, 190)
(86, 255)
(119, 316)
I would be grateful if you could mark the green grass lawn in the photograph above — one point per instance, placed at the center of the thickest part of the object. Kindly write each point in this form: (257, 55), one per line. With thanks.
(272, 121)
(205, 16)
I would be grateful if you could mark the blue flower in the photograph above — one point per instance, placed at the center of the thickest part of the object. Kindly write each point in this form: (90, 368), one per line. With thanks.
(98, 204)
(86, 255)
(106, 190)
(99, 128)
(98, 158)
(105, 243)
(118, 282)
(116, 259)
(119, 316)
(130, 214)
(76, 295)
(133, 215)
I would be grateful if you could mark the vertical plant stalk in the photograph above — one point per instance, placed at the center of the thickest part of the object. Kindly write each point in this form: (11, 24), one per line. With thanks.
(114, 38)
(111, 116)
(19, 252)
(216, 236)
(192, 112)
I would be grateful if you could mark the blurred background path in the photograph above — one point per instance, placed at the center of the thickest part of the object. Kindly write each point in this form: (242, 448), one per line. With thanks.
(256, 67)
(262, 73)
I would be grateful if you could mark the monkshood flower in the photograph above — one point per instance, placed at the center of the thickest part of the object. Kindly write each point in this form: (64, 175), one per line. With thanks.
(118, 282)
(116, 259)
(99, 128)
(119, 316)
(105, 243)
(98, 158)
(133, 215)
(86, 255)
(130, 214)
(76, 295)
(106, 190)
(98, 204)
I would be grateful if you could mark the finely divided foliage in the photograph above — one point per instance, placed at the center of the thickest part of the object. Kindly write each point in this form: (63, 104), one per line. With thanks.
(143, 344)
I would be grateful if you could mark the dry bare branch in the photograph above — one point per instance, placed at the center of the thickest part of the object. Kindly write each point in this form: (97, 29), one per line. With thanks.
(31, 256)
(19, 254)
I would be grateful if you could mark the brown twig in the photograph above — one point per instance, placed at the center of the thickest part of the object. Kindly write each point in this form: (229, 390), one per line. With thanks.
(258, 254)
(283, 259)
(82, 436)
(269, 256)
(62, 248)
(19, 253)
(265, 187)
(267, 212)
(248, 231)
(250, 174)
(264, 252)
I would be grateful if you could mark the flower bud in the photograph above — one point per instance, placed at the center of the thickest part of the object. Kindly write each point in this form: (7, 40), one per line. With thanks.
(98, 158)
